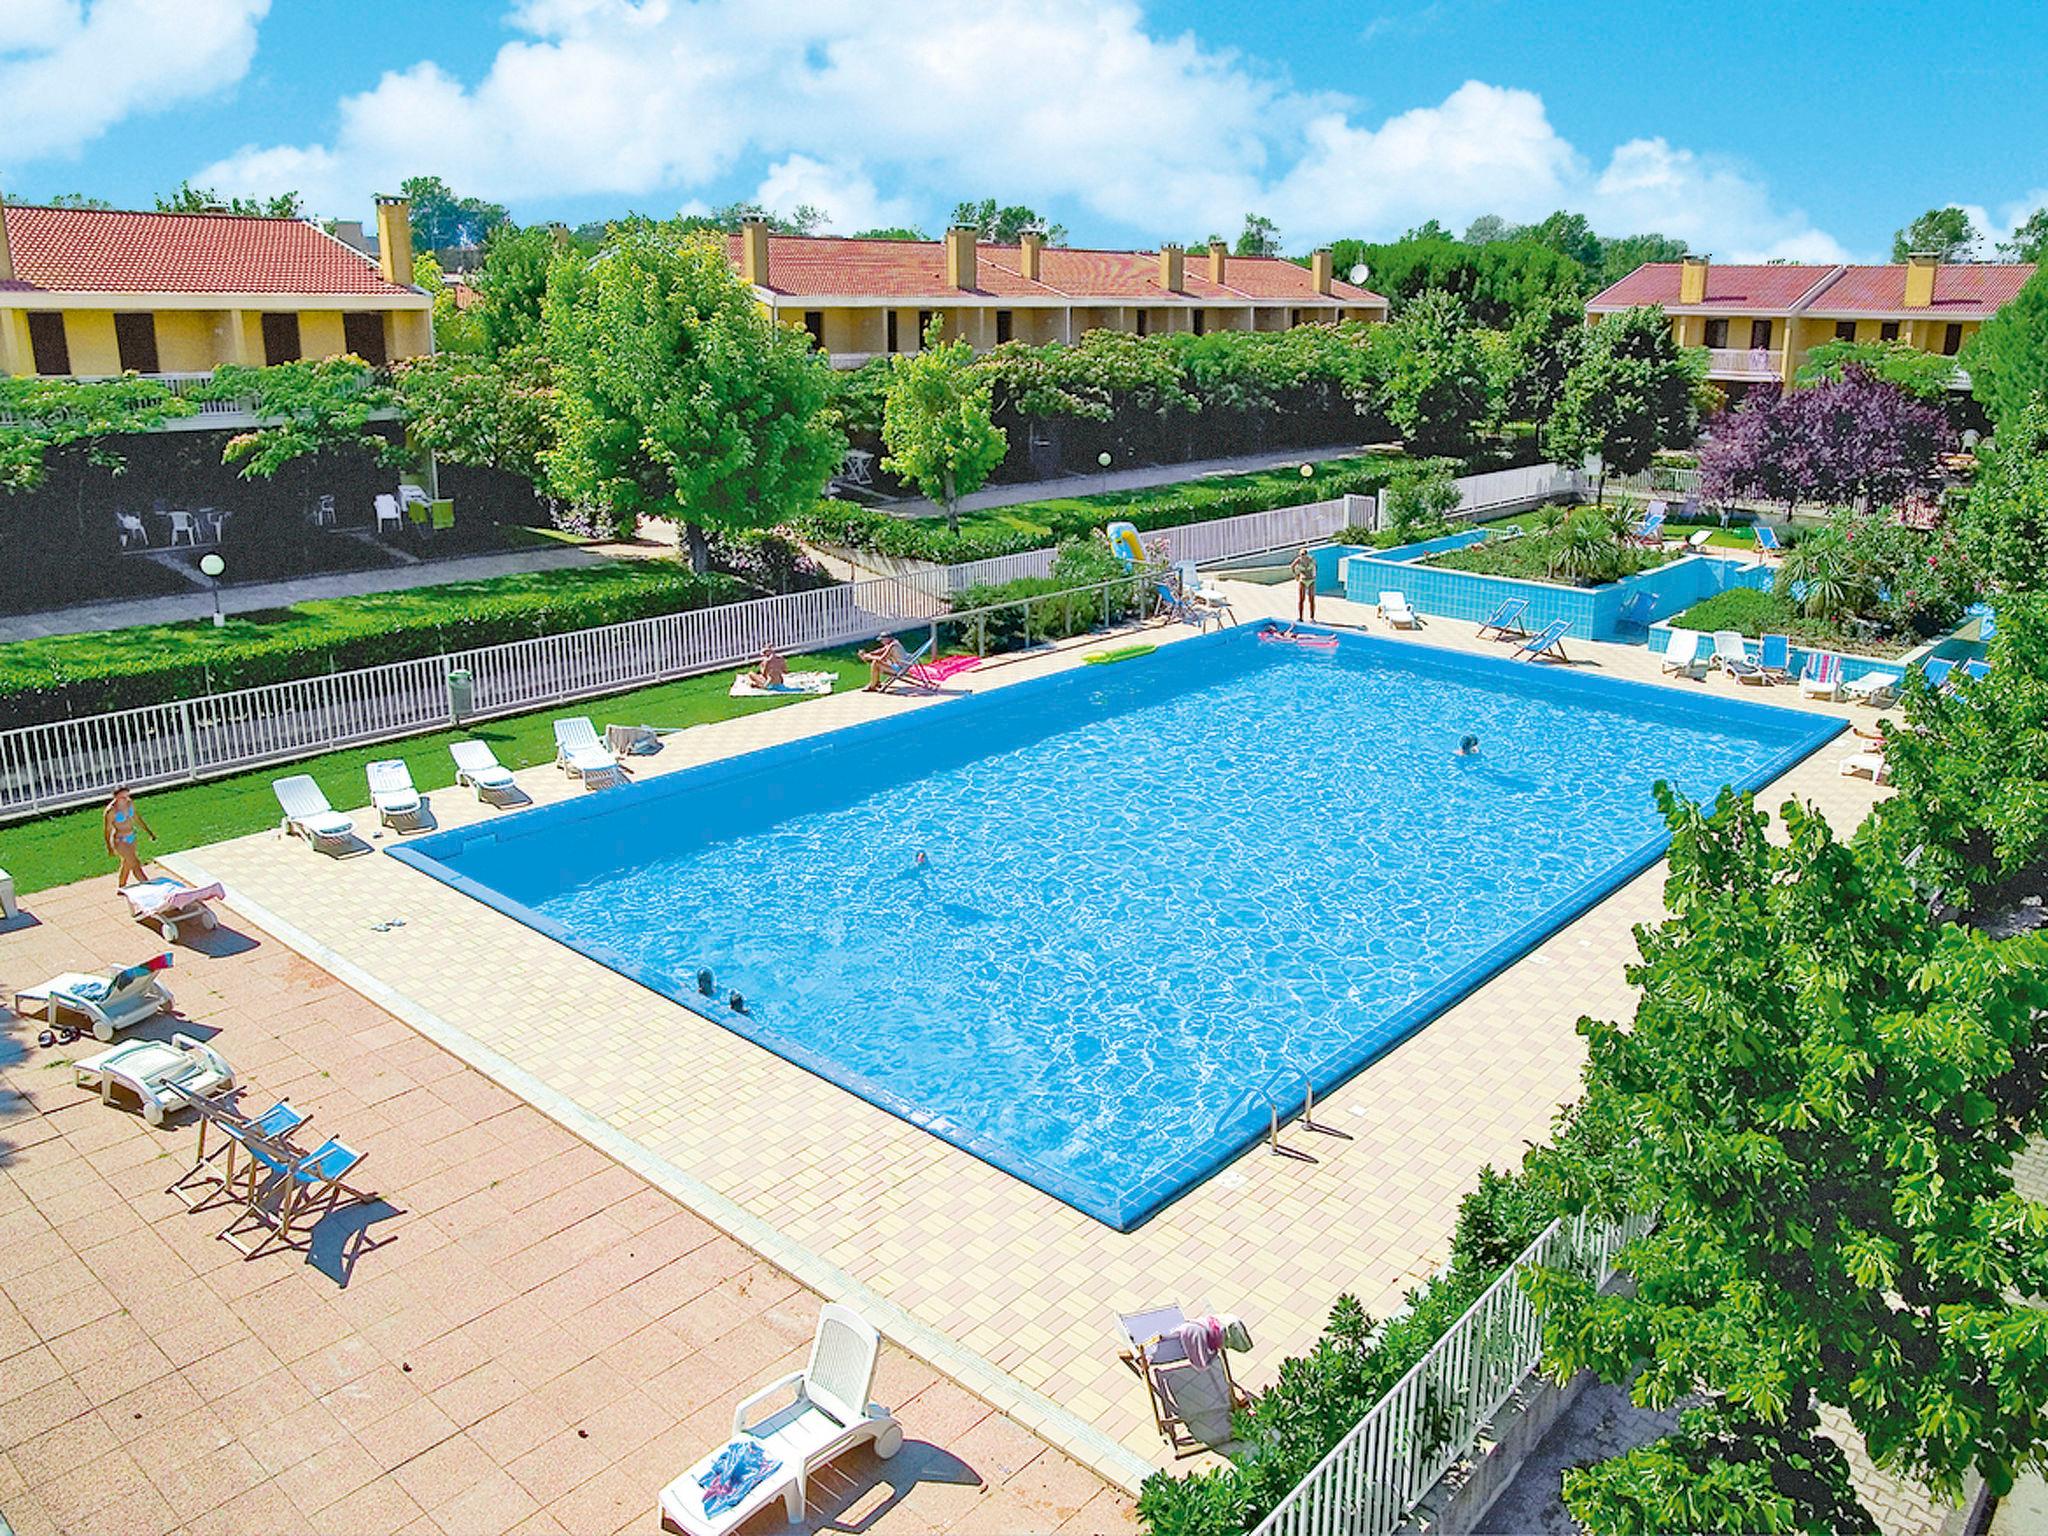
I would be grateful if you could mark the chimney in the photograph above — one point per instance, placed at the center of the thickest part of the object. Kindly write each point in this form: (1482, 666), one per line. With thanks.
(960, 257)
(754, 250)
(1920, 269)
(6, 250)
(1319, 270)
(1173, 268)
(1029, 247)
(1219, 261)
(394, 240)
(558, 234)
(350, 233)
(1692, 280)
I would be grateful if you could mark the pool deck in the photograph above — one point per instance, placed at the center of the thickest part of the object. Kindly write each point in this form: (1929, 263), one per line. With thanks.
(999, 1287)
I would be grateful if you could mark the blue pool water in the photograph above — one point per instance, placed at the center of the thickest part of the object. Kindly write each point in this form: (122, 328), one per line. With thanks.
(1148, 888)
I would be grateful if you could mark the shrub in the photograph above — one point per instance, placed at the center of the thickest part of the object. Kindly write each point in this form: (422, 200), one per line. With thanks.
(74, 675)
(1420, 498)
(1079, 563)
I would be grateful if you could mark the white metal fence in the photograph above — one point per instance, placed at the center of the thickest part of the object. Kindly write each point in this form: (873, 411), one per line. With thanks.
(1434, 1415)
(1502, 488)
(68, 762)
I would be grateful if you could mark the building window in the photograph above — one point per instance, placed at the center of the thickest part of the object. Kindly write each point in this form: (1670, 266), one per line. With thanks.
(1717, 333)
(1952, 341)
(1003, 325)
(46, 341)
(1144, 321)
(135, 341)
(1760, 335)
(1845, 330)
(281, 339)
(1201, 321)
(814, 322)
(1888, 331)
(1294, 317)
(890, 320)
(362, 333)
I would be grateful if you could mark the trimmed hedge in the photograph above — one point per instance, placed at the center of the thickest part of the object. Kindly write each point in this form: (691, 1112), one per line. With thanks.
(1079, 563)
(72, 675)
(1032, 525)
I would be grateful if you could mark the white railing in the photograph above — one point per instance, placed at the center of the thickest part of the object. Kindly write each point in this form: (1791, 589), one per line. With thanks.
(1501, 488)
(1434, 1416)
(1743, 363)
(1658, 480)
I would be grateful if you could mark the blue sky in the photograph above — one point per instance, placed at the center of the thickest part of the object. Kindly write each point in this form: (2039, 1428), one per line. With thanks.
(1750, 130)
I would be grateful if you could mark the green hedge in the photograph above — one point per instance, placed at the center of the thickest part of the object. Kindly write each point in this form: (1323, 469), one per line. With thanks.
(1032, 525)
(72, 675)
(1759, 611)
(1079, 563)
(1316, 1398)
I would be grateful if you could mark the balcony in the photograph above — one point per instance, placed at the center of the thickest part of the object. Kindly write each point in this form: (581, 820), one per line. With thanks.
(1744, 364)
(228, 415)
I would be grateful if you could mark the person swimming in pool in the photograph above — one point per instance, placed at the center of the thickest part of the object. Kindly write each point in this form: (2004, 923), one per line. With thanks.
(119, 827)
(1469, 747)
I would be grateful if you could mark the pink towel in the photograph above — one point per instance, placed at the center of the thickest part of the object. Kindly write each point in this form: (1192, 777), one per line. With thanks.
(1201, 1339)
(946, 666)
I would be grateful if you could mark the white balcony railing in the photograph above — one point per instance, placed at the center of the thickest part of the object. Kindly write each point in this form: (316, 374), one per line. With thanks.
(1744, 363)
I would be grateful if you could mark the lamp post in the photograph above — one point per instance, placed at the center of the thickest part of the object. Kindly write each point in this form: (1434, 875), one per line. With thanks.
(214, 566)
(1102, 459)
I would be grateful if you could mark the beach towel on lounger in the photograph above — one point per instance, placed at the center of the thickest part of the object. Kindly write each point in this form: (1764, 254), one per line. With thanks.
(736, 1473)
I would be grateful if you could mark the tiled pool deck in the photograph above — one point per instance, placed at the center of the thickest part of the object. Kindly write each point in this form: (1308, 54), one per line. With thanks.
(842, 1193)
(1002, 1288)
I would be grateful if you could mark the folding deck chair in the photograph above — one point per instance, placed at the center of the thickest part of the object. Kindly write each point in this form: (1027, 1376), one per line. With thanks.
(291, 1187)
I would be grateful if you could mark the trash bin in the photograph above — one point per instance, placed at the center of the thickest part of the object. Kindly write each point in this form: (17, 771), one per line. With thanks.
(461, 695)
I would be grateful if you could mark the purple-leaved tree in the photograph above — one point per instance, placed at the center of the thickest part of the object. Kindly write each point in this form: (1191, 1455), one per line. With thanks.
(1856, 441)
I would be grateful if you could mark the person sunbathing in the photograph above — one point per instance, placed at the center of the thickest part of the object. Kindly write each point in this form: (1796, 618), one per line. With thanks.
(773, 670)
(888, 655)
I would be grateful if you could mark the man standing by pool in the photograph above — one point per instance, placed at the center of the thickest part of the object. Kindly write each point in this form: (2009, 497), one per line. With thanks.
(1304, 569)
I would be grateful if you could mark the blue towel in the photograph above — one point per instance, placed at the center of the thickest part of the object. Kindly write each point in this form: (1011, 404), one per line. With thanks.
(735, 1473)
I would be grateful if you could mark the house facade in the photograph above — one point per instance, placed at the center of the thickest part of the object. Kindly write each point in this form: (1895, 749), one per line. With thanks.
(1758, 323)
(88, 293)
(862, 299)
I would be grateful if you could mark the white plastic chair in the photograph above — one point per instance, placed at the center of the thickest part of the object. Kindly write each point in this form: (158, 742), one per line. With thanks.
(387, 511)
(391, 792)
(581, 755)
(324, 515)
(1395, 610)
(307, 813)
(131, 528)
(185, 523)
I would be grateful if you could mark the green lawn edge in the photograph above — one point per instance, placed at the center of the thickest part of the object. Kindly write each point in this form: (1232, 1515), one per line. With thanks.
(66, 846)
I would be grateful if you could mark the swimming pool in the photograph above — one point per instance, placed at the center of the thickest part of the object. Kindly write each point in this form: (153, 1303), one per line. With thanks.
(1073, 925)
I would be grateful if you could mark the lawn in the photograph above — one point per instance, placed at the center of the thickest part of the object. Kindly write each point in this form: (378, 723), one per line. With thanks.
(1740, 538)
(1529, 559)
(56, 850)
(1749, 611)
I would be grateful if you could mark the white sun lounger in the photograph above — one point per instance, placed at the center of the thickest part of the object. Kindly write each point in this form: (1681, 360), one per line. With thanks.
(581, 755)
(1869, 763)
(1395, 610)
(1731, 655)
(106, 1002)
(392, 794)
(172, 904)
(307, 813)
(156, 1075)
(829, 1415)
(1682, 654)
(1877, 689)
(477, 767)
(1821, 678)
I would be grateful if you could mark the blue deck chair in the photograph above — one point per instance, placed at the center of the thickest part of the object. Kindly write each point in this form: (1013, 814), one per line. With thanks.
(1173, 606)
(1549, 641)
(1938, 674)
(1767, 539)
(213, 1171)
(1976, 671)
(1506, 622)
(1774, 658)
(293, 1186)
(1651, 529)
(891, 676)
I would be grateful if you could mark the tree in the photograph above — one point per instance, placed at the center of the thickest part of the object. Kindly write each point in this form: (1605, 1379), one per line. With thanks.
(191, 199)
(489, 411)
(510, 284)
(1428, 229)
(1569, 234)
(1851, 441)
(1947, 233)
(676, 397)
(442, 221)
(1537, 355)
(1496, 281)
(1489, 227)
(307, 407)
(2029, 239)
(893, 232)
(2008, 357)
(804, 219)
(1820, 1098)
(1924, 375)
(1627, 393)
(936, 420)
(46, 422)
(1005, 226)
(1259, 237)
(80, 200)
(2001, 521)
(1434, 376)
(1621, 256)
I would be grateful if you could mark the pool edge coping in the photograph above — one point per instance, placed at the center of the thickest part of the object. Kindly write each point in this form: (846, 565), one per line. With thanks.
(1109, 1459)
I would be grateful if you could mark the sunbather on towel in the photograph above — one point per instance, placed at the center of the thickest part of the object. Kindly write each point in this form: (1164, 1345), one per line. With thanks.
(889, 655)
(772, 671)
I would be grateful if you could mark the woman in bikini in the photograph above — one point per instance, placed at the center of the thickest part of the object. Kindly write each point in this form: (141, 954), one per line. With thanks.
(120, 825)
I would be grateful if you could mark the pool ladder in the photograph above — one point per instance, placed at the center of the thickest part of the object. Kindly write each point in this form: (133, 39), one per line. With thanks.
(1279, 1108)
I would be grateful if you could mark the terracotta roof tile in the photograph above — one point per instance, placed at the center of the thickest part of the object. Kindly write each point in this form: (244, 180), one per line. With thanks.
(1963, 291)
(1774, 288)
(93, 250)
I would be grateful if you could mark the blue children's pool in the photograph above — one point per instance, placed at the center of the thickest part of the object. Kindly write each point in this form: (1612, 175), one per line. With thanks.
(1073, 925)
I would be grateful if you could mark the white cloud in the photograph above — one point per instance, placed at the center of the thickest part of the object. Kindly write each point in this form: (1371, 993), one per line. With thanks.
(887, 111)
(70, 71)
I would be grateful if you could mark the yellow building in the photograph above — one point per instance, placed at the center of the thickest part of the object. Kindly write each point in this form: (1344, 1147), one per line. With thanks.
(1758, 323)
(88, 293)
(862, 299)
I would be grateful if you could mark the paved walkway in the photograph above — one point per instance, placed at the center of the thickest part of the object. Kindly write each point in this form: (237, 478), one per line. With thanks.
(1023, 1288)
(124, 613)
(521, 1335)
(1128, 479)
